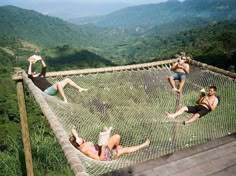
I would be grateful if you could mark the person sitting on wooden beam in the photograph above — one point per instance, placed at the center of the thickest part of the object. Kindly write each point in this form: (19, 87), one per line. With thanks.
(181, 70)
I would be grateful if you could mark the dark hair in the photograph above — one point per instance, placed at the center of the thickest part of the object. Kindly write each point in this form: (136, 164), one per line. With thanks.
(72, 140)
(213, 87)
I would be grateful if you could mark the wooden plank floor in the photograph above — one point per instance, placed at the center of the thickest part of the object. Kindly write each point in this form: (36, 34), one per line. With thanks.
(214, 158)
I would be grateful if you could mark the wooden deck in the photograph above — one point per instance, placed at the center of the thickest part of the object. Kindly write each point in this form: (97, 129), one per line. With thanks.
(214, 158)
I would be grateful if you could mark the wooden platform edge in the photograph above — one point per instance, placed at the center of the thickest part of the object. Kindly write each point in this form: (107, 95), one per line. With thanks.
(171, 157)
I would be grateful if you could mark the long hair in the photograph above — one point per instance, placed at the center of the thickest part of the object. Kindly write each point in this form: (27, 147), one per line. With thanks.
(72, 140)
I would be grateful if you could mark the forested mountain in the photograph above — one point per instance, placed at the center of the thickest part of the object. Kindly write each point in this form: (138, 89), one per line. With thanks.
(40, 29)
(198, 27)
(150, 15)
(214, 44)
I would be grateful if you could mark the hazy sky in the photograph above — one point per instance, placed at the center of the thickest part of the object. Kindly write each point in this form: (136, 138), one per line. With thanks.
(134, 2)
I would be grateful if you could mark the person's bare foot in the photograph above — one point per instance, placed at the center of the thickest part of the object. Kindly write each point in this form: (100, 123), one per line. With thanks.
(65, 101)
(82, 90)
(178, 90)
(174, 89)
(170, 116)
(145, 144)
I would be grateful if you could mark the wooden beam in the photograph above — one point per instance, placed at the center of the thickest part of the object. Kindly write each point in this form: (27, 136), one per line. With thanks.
(18, 76)
(24, 129)
(57, 128)
(212, 68)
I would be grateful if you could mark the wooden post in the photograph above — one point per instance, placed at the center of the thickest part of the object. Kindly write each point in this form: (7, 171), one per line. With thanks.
(175, 125)
(24, 128)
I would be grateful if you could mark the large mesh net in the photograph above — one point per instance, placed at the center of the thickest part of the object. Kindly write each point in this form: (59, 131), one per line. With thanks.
(134, 103)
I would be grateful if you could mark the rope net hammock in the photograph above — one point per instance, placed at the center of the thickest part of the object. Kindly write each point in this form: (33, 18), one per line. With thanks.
(134, 102)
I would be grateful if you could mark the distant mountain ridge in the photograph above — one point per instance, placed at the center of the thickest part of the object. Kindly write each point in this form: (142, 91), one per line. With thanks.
(120, 45)
(40, 29)
(164, 13)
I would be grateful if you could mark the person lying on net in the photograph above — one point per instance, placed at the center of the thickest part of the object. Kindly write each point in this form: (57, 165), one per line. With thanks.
(205, 104)
(42, 83)
(108, 151)
(181, 70)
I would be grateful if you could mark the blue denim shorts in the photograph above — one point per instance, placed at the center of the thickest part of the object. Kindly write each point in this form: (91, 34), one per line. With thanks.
(179, 76)
(50, 90)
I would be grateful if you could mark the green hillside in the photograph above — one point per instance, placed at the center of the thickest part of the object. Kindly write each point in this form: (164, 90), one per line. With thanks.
(14, 53)
(213, 44)
(65, 46)
(32, 26)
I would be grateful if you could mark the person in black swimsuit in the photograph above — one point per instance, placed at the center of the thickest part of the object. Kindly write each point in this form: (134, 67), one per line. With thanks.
(42, 83)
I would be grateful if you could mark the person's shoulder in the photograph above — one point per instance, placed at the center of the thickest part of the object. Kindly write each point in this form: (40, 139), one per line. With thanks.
(216, 97)
(84, 147)
(186, 64)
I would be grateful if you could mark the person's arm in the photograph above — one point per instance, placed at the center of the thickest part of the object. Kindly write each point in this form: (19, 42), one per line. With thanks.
(212, 105)
(200, 99)
(30, 68)
(174, 67)
(92, 155)
(186, 68)
(44, 66)
(43, 63)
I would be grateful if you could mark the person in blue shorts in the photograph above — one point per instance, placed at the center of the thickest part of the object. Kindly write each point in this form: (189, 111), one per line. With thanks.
(181, 70)
(42, 83)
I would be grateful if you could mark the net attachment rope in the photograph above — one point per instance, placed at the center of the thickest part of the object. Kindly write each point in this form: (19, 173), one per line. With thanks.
(134, 103)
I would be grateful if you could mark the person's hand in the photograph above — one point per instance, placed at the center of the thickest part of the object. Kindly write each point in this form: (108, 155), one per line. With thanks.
(180, 66)
(37, 58)
(31, 60)
(207, 99)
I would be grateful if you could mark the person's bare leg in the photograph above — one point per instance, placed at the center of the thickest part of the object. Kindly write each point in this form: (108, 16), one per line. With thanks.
(59, 87)
(191, 119)
(72, 83)
(172, 82)
(179, 112)
(133, 148)
(181, 84)
(113, 141)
